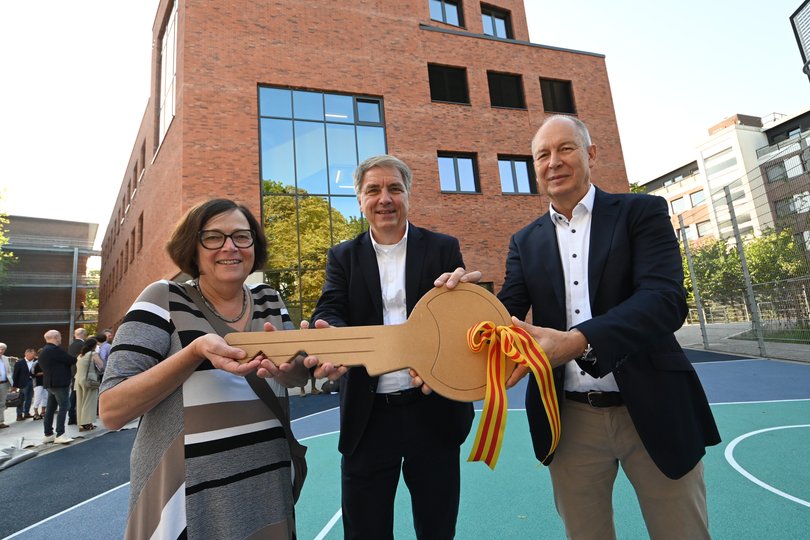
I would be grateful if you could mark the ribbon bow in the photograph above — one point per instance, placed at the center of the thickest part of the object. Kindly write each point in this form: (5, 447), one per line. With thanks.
(515, 344)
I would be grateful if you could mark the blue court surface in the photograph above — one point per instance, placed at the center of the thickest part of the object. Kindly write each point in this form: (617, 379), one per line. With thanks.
(758, 478)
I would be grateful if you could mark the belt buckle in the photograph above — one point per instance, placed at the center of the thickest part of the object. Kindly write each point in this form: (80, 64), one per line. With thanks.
(590, 399)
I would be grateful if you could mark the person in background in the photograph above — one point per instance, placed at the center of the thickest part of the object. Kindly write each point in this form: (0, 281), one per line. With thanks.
(5, 383)
(210, 459)
(24, 382)
(75, 347)
(105, 345)
(602, 275)
(86, 391)
(40, 394)
(57, 365)
(388, 427)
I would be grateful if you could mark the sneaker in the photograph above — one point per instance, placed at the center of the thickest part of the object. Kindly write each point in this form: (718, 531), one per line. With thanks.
(48, 438)
(19, 418)
(63, 439)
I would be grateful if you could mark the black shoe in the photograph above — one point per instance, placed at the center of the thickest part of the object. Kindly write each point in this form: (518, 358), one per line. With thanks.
(73, 423)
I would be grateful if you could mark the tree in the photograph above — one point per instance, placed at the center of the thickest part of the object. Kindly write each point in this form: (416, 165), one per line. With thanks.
(718, 271)
(637, 188)
(774, 256)
(6, 257)
(91, 300)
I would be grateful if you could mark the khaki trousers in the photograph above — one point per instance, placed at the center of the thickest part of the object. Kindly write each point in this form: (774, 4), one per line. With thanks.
(592, 445)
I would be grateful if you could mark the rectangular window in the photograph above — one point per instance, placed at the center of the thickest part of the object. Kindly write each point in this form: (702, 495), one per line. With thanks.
(802, 240)
(310, 144)
(679, 205)
(704, 228)
(140, 232)
(697, 197)
(458, 173)
(497, 22)
(448, 84)
(719, 162)
(795, 204)
(447, 11)
(506, 90)
(558, 96)
(168, 74)
(517, 175)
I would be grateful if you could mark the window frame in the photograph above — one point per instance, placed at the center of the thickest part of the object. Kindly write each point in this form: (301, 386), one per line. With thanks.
(494, 13)
(530, 168)
(444, 71)
(455, 156)
(459, 11)
(500, 78)
(552, 97)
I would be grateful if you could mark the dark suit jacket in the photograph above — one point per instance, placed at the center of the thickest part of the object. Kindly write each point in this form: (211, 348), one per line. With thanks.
(352, 296)
(635, 282)
(21, 376)
(56, 364)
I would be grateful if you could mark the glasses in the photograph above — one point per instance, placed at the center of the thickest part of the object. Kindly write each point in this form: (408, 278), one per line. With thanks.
(216, 239)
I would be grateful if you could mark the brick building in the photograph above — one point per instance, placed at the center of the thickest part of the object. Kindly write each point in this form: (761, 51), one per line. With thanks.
(274, 103)
(46, 286)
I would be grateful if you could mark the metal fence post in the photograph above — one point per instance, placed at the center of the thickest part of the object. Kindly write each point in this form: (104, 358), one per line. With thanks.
(698, 303)
(746, 275)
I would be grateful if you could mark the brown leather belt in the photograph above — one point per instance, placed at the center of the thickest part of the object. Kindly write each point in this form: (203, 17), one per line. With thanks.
(403, 397)
(599, 400)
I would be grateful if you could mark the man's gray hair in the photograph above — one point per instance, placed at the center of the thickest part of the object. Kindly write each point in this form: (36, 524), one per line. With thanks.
(584, 134)
(382, 161)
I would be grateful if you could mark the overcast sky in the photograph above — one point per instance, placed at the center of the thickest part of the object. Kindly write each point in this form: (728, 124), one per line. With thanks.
(75, 82)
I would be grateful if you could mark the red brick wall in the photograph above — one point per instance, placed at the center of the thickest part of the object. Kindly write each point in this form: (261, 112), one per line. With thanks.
(226, 49)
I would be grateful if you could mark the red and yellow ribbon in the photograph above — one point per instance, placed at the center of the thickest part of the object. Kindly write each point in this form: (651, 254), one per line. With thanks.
(515, 344)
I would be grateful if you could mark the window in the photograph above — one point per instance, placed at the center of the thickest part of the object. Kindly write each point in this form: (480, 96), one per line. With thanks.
(558, 96)
(704, 228)
(795, 204)
(679, 205)
(517, 175)
(446, 11)
(720, 162)
(506, 90)
(496, 22)
(802, 240)
(697, 197)
(448, 84)
(310, 144)
(458, 173)
(140, 232)
(168, 74)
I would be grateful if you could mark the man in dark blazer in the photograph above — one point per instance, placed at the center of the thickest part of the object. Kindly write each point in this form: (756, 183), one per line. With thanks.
(387, 426)
(602, 275)
(56, 365)
(24, 382)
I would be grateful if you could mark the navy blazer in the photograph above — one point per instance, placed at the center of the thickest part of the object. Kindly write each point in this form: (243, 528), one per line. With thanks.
(352, 296)
(635, 283)
(22, 375)
(56, 364)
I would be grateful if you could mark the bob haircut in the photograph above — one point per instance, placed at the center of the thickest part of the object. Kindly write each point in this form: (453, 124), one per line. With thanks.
(185, 241)
(89, 345)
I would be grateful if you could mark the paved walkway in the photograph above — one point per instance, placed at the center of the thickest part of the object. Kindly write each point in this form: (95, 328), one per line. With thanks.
(719, 337)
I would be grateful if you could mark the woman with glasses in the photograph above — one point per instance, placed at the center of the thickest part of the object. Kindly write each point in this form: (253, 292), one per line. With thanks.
(210, 459)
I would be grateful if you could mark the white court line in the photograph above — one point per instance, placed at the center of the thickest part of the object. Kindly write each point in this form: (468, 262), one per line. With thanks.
(314, 414)
(65, 511)
(733, 462)
(328, 526)
(763, 401)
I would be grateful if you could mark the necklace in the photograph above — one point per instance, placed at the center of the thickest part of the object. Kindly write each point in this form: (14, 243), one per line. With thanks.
(196, 284)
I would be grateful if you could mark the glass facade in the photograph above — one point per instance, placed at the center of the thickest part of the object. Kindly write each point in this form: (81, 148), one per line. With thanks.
(310, 144)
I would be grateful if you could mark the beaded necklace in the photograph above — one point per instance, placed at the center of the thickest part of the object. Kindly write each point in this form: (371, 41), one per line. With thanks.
(196, 284)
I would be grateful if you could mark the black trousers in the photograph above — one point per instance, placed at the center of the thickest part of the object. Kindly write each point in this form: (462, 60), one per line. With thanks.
(395, 441)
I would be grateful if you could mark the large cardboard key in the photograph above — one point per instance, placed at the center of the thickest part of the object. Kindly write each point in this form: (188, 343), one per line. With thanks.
(433, 341)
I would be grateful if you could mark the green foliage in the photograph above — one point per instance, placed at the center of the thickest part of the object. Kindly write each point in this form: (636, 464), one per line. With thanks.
(91, 301)
(304, 234)
(7, 258)
(774, 256)
(637, 188)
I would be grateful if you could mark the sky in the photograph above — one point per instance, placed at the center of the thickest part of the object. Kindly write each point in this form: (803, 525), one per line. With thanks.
(76, 76)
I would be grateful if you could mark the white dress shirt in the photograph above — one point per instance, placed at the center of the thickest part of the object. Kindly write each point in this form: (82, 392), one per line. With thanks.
(573, 239)
(391, 263)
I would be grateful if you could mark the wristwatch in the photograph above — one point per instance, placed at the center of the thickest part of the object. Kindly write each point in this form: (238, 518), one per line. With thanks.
(589, 355)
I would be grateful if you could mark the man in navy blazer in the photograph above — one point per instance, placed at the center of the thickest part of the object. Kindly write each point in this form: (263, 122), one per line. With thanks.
(602, 275)
(387, 426)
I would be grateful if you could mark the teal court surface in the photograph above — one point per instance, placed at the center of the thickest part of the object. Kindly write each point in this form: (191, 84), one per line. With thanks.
(758, 478)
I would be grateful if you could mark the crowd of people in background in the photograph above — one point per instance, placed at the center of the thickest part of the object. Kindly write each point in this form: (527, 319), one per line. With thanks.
(54, 382)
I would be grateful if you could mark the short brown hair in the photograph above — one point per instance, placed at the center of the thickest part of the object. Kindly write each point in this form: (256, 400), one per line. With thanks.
(184, 242)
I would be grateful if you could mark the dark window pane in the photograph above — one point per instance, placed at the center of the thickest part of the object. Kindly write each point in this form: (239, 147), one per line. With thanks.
(339, 108)
(275, 102)
(370, 142)
(310, 157)
(448, 84)
(558, 96)
(307, 105)
(278, 158)
(368, 111)
(505, 90)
